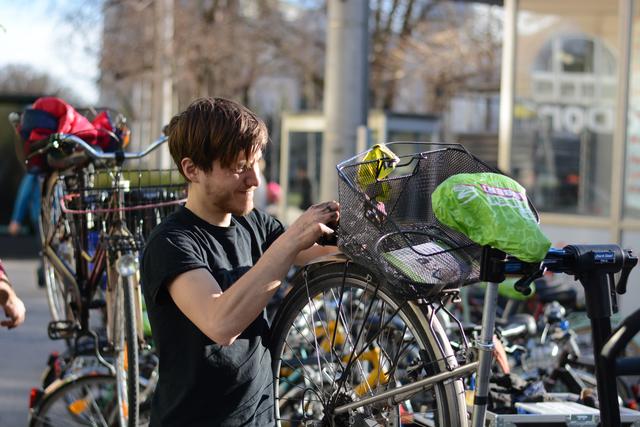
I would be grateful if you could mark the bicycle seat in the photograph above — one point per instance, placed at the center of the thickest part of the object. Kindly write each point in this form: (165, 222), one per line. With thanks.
(491, 209)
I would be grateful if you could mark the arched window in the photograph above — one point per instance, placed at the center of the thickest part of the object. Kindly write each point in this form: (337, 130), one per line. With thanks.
(574, 69)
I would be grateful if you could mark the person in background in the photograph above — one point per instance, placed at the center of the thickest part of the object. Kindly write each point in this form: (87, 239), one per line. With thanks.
(27, 204)
(273, 198)
(304, 186)
(13, 306)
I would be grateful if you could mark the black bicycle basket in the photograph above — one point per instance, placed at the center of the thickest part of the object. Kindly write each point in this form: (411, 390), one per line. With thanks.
(387, 223)
(148, 196)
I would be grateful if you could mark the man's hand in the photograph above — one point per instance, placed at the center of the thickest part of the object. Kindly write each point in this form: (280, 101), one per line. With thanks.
(313, 223)
(12, 305)
(14, 228)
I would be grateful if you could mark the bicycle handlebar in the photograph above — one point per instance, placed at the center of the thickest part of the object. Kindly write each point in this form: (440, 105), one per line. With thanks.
(577, 260)
(57, 138)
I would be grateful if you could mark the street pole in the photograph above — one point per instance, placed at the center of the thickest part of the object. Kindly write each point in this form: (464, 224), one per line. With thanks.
(163, 76)
(346, 86)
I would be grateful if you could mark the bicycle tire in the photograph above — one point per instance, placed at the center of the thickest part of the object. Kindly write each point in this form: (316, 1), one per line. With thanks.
(52, 223)
(575, 378)
(126, 352)
(351, 280)
(84, 401)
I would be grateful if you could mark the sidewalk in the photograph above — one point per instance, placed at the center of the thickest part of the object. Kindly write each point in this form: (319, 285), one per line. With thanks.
(24, 350)
(18, 247)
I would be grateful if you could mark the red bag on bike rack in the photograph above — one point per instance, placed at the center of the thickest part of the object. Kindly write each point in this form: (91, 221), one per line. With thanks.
(51, 115)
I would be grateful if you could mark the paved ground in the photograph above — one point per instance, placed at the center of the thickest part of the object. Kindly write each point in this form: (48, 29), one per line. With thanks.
(24, 351)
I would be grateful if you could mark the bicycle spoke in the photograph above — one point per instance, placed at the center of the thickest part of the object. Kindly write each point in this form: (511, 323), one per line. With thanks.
(372, 347)
(312, 344)
(353, 350)
(303, 365)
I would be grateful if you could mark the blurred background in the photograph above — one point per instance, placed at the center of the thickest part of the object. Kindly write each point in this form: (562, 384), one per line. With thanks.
(549, 91)
(546, 90)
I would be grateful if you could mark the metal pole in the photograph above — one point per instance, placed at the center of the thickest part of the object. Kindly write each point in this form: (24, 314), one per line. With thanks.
(485, 349)
(163, 69)
(284, 168)
(345, 87)
(507, 84)
(625, 41)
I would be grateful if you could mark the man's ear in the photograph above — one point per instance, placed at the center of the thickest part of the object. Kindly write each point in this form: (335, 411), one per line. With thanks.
(190, 170)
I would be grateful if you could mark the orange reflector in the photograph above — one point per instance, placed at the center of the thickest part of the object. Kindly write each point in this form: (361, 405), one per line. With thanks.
(78, 407)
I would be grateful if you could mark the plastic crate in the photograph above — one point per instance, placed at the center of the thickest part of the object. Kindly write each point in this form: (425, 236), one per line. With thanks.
(557, 414)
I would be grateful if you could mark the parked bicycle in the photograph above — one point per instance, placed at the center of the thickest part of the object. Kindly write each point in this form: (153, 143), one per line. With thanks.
(79, 390)
(399, 268)
(95, 215)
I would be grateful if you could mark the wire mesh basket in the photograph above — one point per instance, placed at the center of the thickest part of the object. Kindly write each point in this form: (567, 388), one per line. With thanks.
(389, 223)
(142, 197)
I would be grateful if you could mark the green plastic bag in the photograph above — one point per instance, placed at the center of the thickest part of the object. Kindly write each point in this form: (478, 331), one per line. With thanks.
(491, 209)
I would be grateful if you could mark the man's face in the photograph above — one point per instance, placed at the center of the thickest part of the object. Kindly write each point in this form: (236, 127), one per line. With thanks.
(230, 190)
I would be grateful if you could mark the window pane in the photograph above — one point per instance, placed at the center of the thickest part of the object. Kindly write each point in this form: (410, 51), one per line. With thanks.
(577, 55)
(564, 111)
(632, 170)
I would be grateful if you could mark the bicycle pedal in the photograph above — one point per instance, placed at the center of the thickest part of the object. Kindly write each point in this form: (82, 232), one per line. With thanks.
(62, 329)
(97, 303)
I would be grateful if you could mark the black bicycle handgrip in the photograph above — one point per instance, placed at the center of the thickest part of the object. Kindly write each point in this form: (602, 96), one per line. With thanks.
(522, 286)
(328, 239)
(39, 147)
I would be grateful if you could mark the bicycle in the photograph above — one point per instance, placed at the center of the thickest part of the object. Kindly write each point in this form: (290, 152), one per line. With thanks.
(399, 268)
(86, 394)
(95, 216)
(380, 310)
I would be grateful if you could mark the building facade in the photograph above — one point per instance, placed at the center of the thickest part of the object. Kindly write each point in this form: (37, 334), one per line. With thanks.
(569, 132)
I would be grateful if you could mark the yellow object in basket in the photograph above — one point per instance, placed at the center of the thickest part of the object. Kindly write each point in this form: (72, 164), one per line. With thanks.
(377, 164)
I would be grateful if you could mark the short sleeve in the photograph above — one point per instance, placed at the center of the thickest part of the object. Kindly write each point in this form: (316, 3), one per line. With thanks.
(166, 256)
(271, 226)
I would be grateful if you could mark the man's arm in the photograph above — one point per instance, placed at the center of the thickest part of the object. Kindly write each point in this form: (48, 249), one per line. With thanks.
(222, 316)
(12, 305)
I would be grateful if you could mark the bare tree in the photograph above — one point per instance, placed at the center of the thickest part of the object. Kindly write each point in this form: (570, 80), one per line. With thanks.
(224, 47)
(25, 80)
(443, 44)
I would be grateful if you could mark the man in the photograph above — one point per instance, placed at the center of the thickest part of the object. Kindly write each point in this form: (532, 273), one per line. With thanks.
(12, 305)
(209, 270)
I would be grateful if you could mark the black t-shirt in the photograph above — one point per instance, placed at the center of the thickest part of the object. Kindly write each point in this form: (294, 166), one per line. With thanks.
(202, 383)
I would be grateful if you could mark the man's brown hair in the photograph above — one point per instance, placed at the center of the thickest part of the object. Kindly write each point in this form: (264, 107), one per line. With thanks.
(215, 129)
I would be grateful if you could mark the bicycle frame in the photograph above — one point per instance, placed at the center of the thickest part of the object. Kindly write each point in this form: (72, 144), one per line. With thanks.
(86, 280)
(391, 395)
(594, 266)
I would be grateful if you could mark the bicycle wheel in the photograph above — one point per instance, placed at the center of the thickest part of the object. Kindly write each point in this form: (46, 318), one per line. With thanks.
(85, 401)
(340, 336)
(55, 233)
(126, 352)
